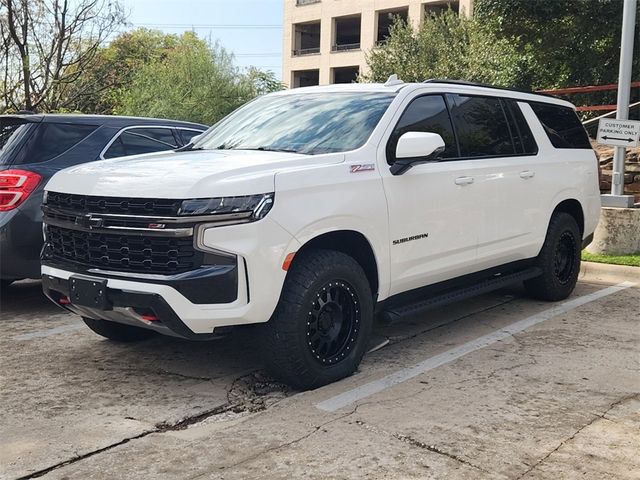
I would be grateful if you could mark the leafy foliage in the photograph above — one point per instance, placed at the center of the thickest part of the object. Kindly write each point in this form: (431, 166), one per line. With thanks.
(445, 46)
(193, 80)
(521, 43)
(46, 45)
(97, 89)
(564, 43)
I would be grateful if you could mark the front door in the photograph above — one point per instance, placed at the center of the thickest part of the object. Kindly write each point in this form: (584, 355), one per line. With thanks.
(434, 208)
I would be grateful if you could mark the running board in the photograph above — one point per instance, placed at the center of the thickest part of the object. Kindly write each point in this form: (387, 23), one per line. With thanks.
(397, 313)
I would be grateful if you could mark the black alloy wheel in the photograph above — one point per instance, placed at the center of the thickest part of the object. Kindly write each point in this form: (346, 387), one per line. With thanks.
(321, 326)
(558, 260)
(334, 322)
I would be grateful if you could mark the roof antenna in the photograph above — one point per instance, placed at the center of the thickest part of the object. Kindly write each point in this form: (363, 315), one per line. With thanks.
(393, 80)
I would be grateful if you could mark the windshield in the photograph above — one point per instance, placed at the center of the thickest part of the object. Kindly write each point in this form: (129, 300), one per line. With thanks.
(309, 123)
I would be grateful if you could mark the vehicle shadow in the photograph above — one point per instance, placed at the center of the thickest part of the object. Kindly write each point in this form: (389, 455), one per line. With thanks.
(25, 297)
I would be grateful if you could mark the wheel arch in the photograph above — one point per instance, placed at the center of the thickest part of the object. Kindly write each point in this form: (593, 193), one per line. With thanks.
(352, 243)
(574, 208)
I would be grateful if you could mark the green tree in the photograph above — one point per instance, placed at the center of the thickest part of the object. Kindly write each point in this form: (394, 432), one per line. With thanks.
(445, 46)
(97, 90)
(47, 45)
(194, 80)
(561, 43)
(263, 82)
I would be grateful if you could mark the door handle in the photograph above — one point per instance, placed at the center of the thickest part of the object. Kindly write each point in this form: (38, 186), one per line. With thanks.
(464, 180)
(527, 174)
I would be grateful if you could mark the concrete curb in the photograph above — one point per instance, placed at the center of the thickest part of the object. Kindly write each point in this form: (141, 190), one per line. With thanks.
(605, 272)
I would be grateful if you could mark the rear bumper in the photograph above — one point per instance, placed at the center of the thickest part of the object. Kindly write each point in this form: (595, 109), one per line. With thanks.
(21, 241)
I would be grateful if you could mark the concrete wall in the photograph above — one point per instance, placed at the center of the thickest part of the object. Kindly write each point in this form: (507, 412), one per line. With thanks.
(618, 232)
(325, 11)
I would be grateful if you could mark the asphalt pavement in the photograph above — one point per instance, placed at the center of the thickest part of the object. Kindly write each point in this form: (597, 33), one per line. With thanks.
(496, 387)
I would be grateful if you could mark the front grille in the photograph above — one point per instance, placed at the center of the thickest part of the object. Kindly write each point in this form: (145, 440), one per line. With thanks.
(129, 253)
(114, 205)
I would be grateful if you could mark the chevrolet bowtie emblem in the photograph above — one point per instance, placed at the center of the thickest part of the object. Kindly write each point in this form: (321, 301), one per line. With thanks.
(88, 221)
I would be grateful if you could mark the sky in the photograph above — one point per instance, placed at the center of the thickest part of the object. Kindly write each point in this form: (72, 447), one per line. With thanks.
(250, 29)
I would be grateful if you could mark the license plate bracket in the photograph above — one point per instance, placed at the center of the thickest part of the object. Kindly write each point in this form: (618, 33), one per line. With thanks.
(89, 292)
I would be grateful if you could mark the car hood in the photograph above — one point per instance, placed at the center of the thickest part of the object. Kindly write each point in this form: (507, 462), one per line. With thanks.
(192, 174)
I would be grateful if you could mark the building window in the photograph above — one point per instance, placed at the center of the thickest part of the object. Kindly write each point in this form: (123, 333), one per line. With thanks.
(306, 78)
(306, 2)
(438, 8)
(345, 74)
(306, 38)
(387, 18)
(346, 33)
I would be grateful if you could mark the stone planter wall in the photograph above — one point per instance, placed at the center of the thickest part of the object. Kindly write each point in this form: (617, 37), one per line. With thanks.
(632, 170)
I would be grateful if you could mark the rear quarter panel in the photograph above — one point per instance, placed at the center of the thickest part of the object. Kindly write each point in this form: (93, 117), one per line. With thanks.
(564, 174)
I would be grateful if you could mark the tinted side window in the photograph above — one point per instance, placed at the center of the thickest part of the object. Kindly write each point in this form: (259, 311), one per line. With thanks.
(187, 134)
(523, 138)
(562, 125)
(425, 114)
(482, 128)
(116, 149)
(50, 140)
(136, 141)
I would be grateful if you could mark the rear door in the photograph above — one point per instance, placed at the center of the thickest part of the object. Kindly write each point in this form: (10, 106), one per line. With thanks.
(493, 134)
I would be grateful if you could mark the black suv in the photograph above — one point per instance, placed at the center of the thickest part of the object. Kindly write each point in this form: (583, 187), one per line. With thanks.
(34, 147)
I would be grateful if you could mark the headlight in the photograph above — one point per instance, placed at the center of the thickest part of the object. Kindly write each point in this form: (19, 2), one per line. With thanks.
(248, 208)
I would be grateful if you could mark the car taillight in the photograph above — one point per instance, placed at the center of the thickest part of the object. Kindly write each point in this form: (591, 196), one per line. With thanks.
(15, 187)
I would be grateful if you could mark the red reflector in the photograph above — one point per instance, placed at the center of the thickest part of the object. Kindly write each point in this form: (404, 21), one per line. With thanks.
(64, 301)
(15, 187)
(287, 261)
(149, 318)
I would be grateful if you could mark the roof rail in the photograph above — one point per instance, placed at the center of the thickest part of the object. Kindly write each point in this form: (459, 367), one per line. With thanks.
(485, 85)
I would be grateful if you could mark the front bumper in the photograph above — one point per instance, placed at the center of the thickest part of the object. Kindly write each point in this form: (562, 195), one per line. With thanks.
(260, 248)
(130, 300)
(126, 307)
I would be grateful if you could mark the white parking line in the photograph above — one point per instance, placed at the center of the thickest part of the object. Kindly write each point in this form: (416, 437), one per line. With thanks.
(342, 400)
(48, 332)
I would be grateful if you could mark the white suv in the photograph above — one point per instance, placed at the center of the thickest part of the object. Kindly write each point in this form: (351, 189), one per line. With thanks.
(310, 210)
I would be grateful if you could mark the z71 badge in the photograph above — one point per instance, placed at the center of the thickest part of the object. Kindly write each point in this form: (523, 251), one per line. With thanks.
(367, 167)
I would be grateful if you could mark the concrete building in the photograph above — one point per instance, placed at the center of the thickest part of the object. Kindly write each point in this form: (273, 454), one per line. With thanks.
(325, 40)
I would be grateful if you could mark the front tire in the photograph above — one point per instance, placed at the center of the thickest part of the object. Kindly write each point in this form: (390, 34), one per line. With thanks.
(322, 324)
(559, 260)
(118, 332)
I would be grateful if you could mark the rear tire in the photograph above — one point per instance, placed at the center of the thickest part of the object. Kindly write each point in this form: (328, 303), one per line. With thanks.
(559, 260)
(118, 332)
(322, 324)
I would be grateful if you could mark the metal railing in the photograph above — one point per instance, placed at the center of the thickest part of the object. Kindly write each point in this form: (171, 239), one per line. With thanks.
(345, 47)
(589, 89)
(305, 51)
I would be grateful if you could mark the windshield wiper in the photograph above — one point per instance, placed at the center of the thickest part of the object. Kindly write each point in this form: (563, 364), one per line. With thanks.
(271, 149)
(188, 148)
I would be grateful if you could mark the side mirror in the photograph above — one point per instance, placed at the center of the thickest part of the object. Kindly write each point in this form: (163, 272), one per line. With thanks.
(414, 148)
